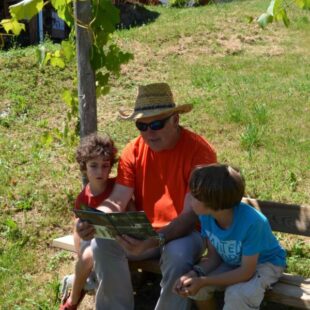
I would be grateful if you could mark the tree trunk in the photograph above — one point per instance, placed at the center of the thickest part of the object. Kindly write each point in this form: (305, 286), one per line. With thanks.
(86, 76)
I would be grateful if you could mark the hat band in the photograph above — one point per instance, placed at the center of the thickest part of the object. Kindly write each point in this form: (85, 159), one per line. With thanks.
(154, 107)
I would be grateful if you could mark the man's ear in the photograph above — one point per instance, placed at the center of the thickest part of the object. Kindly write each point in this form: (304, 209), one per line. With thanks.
(176, 119)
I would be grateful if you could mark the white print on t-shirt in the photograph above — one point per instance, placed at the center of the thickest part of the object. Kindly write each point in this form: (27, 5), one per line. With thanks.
(229, 250)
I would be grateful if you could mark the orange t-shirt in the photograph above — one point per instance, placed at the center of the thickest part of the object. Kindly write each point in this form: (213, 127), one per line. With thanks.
(160, 179)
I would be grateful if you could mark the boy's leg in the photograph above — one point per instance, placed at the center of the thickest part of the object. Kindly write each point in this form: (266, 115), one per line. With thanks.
(178, 257)
(83, 269)
(204, 299)
(249, 295)
(112, 271)
(209, 304)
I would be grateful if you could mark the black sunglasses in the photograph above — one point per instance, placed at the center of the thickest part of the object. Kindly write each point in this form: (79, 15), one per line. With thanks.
(155, 125)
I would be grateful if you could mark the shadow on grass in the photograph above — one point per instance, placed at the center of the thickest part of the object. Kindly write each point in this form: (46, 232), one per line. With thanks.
(133, 15)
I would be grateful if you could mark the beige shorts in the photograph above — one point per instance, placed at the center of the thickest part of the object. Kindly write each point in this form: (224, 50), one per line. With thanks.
(254, 289)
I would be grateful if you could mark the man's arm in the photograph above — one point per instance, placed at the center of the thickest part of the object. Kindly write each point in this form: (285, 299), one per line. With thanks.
(183, 224)
(180, 226)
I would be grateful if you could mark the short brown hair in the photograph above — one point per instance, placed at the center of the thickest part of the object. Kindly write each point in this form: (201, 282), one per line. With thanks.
(93, 146)
(218, 186)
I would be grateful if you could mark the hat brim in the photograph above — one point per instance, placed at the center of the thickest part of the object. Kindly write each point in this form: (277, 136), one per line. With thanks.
(134, 115)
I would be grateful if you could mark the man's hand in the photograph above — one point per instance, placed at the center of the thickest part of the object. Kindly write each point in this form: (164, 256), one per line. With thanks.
(85, 230)
(188, 284)
(134, 246)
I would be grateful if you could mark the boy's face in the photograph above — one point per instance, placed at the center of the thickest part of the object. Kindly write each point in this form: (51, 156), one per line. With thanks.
(97, 170)
(198, 207)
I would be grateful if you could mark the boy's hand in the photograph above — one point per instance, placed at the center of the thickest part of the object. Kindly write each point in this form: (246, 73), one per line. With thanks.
(85, 230)
(187, 285)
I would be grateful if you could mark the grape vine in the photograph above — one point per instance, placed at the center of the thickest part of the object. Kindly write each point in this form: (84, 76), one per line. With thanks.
(106, 57)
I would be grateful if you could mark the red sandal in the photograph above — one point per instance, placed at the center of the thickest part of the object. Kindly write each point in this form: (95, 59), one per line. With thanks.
(68, 306)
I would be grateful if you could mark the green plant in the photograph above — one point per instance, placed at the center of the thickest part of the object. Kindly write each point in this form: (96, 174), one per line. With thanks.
(106, 57)
(293, 182)
(260, 114)
(277, 11)
(236, 112)
(183, 3)
(11, 230)
(251, 137)
(57, 259)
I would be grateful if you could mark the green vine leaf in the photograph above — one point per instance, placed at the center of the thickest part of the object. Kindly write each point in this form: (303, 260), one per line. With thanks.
(265, 19)
(64, 10)
(12, 25)
(277, 11)
(57, 62)
(106, 57)
(26, 9)
(303, 4)
(67, 50)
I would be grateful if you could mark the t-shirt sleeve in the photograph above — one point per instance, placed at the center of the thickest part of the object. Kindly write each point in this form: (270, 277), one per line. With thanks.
(125, 170)
(77, 204)
(204, 154)
(256, 237)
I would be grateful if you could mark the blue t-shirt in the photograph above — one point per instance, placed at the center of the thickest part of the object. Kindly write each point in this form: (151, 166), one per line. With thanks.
(248, 234)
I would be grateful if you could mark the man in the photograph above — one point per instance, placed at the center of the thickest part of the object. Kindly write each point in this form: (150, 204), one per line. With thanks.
(155, 168)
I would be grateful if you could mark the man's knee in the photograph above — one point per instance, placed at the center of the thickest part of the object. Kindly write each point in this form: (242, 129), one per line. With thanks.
(175, 260)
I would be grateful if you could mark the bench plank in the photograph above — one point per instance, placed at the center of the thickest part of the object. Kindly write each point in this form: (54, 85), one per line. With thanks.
(291, 295)
(65, 243)
(286, 218)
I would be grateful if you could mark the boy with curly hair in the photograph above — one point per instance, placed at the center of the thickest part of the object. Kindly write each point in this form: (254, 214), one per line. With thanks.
(95, 156)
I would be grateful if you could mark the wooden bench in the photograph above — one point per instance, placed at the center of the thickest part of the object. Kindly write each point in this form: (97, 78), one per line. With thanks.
(291, 290)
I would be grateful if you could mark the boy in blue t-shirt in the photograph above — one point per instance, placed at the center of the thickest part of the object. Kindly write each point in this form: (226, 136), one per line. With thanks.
(244, 258)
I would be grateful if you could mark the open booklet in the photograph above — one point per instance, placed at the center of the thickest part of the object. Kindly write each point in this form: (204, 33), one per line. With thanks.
(109, 225)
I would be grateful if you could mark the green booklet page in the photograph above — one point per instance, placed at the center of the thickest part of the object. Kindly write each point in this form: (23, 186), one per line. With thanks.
(109, 225)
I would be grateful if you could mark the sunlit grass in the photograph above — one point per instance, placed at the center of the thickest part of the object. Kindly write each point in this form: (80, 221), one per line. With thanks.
(250, 90)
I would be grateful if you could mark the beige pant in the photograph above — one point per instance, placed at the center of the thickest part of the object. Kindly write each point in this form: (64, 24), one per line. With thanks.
(244, 295)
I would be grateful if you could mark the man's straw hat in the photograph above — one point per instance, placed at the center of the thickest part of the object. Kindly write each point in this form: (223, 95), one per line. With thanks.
(154, 100)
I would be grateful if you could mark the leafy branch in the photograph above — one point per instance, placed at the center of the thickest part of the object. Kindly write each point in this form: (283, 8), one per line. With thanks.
(277, 11)
(106, 57)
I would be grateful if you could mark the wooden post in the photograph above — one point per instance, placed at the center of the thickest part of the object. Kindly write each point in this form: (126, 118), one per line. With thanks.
(86, 76)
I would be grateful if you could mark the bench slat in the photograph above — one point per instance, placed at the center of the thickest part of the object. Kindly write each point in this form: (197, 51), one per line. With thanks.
(290, 295)
(65, 243)
(286, 218)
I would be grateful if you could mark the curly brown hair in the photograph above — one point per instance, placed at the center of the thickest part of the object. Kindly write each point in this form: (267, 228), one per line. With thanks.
(218, 186)
(93, 146)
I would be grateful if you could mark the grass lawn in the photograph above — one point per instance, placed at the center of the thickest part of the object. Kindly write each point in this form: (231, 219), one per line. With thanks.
(251, 94)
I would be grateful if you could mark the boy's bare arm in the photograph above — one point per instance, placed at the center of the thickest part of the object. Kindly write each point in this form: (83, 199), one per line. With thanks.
(211, 261)
(76, 237)
(118, 200)
(190, 283)
(241, 274)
